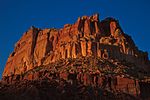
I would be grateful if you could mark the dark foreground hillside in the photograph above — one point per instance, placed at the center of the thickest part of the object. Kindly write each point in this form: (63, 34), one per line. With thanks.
(46, 89)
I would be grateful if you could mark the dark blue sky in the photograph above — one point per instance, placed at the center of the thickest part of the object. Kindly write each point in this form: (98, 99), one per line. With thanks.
(16, 16)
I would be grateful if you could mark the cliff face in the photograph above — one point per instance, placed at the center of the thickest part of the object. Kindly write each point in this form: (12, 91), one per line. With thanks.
(88, 36)
(87, 54)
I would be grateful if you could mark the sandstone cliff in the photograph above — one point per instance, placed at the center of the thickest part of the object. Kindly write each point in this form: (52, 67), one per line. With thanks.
(88, 36)
(90, 54)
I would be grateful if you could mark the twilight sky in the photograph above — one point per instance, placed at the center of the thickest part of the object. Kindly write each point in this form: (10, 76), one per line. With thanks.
(16, 16)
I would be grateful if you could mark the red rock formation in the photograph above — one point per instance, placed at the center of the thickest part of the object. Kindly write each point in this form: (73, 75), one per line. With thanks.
(87, 37)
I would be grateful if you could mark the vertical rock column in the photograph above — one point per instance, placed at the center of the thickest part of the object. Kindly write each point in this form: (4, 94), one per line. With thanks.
(74, 50)
(87, 28)
(63, 52)
(83, 48)
(89, 48)
(96, 23)
(68, 48)
(98, 50)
